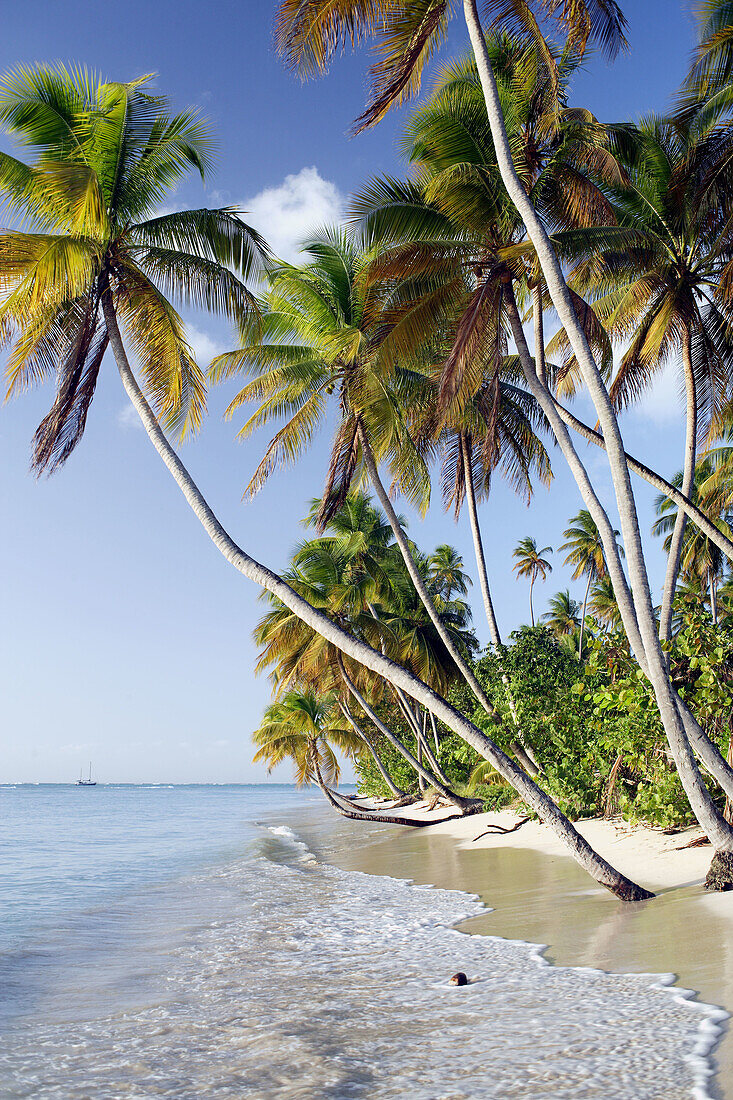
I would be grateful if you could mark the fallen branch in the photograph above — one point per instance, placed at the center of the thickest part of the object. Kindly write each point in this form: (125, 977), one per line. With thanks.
(500, 830)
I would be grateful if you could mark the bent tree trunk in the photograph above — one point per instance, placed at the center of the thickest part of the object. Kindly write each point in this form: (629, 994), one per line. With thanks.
(688, 482)
(582, 618)
(717, 829)
(359, 651)
(381, 819)
(521, 749)
(416, 762)
(418, 582)
(391, 785)
(697, 793)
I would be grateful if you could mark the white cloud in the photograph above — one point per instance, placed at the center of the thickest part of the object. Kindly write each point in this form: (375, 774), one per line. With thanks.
(662, 403)
(287, 213)
(128, 419)
(205, 347)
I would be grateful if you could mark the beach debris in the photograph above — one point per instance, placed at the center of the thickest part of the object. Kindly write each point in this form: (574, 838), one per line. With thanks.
(459, 979)
(494, 829)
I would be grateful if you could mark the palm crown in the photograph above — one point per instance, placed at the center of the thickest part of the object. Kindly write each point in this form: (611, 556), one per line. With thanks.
(92, 238)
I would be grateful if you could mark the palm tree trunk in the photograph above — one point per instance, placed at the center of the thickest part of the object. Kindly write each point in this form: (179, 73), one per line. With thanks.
(478, 545)
(417, 580)
(416, 762)
(688, 483)
(713, 599)
(436, 742)
(718, 830)
(414, 724)
(391, 785)
(539, 334)
(359, 651)
(520, 747)
(582, 618)
(382, 819)
(531, 608)
(693, 513)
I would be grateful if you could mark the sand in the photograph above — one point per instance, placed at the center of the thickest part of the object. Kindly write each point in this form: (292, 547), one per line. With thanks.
(536, 892)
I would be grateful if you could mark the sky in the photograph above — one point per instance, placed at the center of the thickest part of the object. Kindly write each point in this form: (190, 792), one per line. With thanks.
(125, 639)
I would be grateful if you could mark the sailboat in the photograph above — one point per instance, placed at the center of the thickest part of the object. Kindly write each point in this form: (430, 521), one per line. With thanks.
(81, 782)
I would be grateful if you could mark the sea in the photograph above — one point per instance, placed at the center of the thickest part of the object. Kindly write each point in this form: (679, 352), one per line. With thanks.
(200, 941)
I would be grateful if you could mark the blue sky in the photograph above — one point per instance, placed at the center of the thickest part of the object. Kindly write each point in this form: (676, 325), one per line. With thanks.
(125, 638)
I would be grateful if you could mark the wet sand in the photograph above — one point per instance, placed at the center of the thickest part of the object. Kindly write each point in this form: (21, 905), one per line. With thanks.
(546, 898)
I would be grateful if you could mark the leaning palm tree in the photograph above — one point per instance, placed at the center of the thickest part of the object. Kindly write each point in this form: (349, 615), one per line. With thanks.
(308, 36)
(585, 553)
(97, 262)
(657, 278)
(531, 563)
(64, 119)
(319, 335)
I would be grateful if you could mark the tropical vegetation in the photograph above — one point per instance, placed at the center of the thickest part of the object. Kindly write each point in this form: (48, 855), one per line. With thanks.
(406, 329)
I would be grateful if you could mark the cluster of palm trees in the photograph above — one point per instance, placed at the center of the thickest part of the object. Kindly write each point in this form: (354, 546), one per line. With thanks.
(407, 325)
(585, 554)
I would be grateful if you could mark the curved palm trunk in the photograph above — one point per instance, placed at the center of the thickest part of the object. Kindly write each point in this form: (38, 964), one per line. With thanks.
(382, 819)
(416, 762)
(541, 803)
(717, 828)
(693, 513)
(582, 619)
(697, 793)
(539, 335)
(415, 577)
(391, 785)
(420, 739)
(521, 749)
(688, 482)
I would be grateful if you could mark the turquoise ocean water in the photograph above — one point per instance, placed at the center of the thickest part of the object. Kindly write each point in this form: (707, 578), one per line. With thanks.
(195, 941)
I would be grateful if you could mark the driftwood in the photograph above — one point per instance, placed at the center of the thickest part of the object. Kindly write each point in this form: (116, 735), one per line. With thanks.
(698, 842)
(500, 830)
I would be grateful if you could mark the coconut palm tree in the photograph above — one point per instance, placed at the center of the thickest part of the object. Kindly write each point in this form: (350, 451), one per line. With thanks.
(58, 115)
(306, 728)
(446, 572)
(319, 335)
(563, 617)
(701, 560)
(531, 563)
(96, 258)
(585, 553)
(308, 36)
(657, 278)
(602, 604)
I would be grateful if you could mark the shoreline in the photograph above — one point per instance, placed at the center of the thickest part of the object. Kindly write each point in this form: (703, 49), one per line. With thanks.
(533, 891)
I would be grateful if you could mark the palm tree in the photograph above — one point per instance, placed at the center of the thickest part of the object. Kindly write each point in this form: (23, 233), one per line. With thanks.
(658, 278)
(531, 563)
(66, 119)
(318, 335)
(308, 36)
(446, 572)
(563, 618)
(701, 560)
(603, 604)
(303, 727)
(97, 257)
(585, 553)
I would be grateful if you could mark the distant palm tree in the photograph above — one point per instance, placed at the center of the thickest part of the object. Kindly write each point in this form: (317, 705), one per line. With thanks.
(603, 604)
(585, 552)
(531, 563)
(562, 618)
(445, 569)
